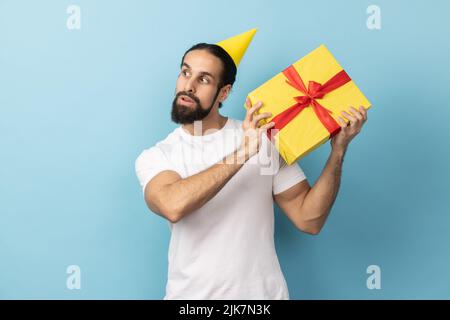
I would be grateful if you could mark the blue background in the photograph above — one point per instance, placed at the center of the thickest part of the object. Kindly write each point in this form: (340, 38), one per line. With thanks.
(78, 106)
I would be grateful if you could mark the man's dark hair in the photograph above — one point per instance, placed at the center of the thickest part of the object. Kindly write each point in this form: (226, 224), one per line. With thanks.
(229, 67)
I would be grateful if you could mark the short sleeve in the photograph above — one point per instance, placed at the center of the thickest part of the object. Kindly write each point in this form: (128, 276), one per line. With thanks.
(149, 163)
(287, 176)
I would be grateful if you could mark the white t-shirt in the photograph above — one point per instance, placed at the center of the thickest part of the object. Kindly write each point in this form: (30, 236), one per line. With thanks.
(225, 249)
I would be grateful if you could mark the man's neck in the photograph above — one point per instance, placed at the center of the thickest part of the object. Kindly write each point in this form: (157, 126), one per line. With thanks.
(211, 122)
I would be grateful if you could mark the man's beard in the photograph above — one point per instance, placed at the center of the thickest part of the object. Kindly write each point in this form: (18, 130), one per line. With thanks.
(186, 115)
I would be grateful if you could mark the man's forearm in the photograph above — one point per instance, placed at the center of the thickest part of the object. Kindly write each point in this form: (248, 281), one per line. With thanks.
(320, 198)
(193, 192)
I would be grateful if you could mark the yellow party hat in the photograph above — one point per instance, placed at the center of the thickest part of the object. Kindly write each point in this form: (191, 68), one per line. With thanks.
(237, 45)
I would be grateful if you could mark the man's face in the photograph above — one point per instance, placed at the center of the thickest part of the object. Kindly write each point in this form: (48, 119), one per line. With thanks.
(197, 87)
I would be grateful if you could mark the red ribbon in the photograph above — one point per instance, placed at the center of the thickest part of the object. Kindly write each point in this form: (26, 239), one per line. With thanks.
(315, 91)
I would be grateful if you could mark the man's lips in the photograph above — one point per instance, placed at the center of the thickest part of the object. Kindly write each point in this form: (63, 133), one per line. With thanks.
(186, 99)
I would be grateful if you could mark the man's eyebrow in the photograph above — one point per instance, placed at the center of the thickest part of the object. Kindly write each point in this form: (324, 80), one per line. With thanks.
(202, 73)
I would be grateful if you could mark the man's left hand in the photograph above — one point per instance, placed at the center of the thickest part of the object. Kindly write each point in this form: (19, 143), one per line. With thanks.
(349, 130)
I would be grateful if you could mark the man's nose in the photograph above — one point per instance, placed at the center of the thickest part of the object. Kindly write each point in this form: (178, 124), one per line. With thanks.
(189, 86)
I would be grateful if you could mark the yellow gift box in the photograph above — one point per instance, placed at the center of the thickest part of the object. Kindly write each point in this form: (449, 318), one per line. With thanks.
(306, 100)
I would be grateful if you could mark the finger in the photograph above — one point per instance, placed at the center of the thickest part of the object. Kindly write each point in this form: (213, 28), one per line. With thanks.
(356, 113)
(248, 102)
(342, 122)
(349, 117)
(258, 117)
(363, 112)
(267, 126)
(253, 109)
(248, 115)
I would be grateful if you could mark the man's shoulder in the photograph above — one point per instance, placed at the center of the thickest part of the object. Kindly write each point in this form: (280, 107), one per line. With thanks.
(236, 122)
(171, 139)
(162, 147)
(234, 125)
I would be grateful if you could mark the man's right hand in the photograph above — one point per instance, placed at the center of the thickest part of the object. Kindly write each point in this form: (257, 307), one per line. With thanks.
(251, 141)
(171, 196)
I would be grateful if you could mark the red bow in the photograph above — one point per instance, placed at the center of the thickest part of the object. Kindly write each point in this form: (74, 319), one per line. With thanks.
(315, 91)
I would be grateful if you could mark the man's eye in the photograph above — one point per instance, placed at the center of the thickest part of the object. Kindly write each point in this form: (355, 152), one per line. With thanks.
(204, 80)
(184, 72)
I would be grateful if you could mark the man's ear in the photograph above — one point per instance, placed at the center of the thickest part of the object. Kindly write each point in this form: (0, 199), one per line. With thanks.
(224, 92)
